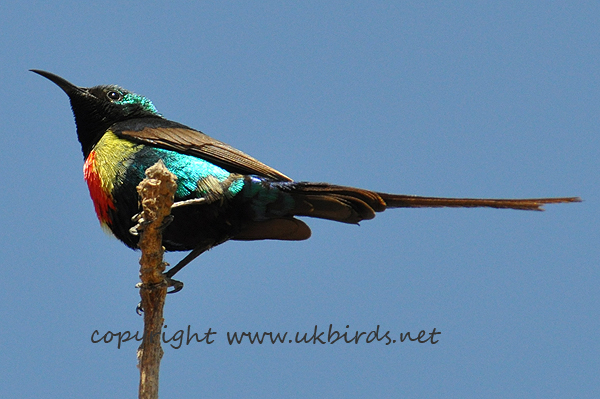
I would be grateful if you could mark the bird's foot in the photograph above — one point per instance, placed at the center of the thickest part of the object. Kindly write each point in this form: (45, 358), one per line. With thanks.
(175, 284)
(141, 223)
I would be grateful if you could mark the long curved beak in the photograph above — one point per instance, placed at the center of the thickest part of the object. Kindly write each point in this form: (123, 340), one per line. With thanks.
(64, 84)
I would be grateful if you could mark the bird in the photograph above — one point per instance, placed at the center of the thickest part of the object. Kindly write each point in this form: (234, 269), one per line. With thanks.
(222, 193)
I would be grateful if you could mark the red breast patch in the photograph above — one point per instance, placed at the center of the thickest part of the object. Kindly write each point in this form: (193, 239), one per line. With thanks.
(102, 199)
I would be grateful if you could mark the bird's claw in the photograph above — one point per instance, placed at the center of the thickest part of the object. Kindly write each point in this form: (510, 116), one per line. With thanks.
(140, 224)
(176, 284)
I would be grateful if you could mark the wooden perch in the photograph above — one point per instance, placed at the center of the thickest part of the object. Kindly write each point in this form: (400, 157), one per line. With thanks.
(156, 193)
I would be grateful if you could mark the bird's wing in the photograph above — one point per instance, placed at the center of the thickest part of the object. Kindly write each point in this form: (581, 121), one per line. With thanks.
(176, 137)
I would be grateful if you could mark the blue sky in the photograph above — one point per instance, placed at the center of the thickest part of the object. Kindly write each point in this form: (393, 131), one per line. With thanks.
(462, 99)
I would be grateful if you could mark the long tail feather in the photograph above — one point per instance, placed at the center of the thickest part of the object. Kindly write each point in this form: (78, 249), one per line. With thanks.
(351, 205)
(529, 204)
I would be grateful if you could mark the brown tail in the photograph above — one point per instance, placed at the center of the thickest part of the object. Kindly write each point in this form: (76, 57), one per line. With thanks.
(528, 204)
(351, 205)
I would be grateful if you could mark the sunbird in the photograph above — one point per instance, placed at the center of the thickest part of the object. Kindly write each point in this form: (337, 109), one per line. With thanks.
(222, 193)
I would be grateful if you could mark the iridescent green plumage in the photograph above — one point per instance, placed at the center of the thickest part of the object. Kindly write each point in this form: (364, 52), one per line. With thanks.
(135, 100)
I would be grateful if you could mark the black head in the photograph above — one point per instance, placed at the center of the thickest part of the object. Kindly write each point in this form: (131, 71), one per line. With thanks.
(97, 108)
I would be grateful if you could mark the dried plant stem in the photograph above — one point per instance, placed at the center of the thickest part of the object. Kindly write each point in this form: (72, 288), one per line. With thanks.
(156, 193)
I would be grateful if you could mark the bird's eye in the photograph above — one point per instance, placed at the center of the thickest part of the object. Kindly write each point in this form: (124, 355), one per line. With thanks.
(114, 95)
